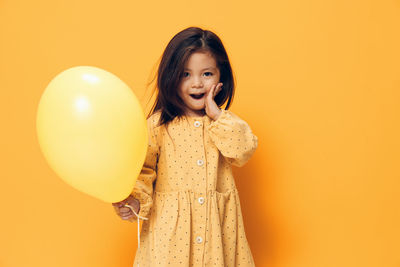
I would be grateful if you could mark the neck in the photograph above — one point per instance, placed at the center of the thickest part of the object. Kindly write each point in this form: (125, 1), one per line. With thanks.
(196, 113)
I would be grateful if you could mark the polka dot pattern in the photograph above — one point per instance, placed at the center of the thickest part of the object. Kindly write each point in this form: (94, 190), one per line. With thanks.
(187, 191)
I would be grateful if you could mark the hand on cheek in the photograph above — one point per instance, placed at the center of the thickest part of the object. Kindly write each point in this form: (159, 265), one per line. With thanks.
(212, 108)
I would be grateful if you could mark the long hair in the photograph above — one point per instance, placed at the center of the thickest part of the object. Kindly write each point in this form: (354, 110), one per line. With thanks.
(171, 68)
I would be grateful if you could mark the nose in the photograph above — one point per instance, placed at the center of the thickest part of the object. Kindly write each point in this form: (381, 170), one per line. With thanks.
(197, 82)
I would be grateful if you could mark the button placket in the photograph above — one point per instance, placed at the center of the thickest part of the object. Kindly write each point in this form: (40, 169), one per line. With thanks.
(201, 210)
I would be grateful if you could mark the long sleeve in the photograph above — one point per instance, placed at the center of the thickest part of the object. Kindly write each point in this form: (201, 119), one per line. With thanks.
(233, 138)
(143, 189)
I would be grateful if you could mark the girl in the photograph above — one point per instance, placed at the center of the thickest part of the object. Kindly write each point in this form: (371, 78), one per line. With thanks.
(186, 187)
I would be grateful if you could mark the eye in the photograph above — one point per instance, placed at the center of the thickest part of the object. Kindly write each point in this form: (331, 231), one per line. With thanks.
(208, 73)
(185, 74)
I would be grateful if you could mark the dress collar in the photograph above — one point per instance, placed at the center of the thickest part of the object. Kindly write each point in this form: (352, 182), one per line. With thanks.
(191, 119)
(196, 118)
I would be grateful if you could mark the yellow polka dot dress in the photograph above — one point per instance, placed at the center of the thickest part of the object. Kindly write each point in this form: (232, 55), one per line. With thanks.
(187, 191)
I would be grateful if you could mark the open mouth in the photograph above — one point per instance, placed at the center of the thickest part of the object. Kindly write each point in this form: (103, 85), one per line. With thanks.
(197, 96)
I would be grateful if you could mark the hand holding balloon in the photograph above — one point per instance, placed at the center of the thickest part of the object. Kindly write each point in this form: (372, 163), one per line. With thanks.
(125, 212)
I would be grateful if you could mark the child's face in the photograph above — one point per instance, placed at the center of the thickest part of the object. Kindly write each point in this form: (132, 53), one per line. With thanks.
(200, 74)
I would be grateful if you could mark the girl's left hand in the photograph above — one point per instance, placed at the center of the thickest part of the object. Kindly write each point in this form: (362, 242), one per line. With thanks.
(212, 110)
(125, 212)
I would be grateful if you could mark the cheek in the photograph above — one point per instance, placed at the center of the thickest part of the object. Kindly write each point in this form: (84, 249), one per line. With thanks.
(181, 90)
(182, 87)
(211, 82)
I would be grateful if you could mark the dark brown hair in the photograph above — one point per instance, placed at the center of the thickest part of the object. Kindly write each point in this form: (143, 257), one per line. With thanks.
(170, 70)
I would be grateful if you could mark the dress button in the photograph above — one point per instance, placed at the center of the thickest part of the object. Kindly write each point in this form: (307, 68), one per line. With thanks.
(199, 239)
(201, 200)
(200, 162)
(197, 124)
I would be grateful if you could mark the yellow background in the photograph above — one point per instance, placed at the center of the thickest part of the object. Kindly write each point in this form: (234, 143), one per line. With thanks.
(318, 81)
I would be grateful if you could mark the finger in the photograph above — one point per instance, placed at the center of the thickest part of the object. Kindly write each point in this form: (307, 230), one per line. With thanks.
(219, 88)
(133, 202)
(209, 99)
(118, 205)
(215, 90)
(124, 209)
(211, 89)
(211, 92)
(125, 213)
(126, 217)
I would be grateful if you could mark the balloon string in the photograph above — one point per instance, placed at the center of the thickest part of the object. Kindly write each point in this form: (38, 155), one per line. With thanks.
(138, 224)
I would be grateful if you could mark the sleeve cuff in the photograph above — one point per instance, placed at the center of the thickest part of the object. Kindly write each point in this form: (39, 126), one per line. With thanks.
(146, 203)
(225, 115)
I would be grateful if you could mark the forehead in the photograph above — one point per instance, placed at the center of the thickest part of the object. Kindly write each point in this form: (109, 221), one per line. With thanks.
(200, 60)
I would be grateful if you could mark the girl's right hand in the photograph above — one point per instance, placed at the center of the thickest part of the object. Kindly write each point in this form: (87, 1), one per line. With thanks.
(124, 212)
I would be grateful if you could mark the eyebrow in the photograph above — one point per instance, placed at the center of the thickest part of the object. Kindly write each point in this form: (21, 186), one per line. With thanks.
(211, 68)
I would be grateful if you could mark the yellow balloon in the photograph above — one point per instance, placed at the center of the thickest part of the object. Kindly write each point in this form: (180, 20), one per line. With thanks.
(93, 132)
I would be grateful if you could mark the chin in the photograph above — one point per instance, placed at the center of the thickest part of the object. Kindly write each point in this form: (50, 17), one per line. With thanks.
(199, 108)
